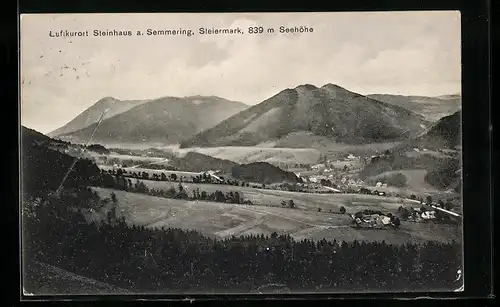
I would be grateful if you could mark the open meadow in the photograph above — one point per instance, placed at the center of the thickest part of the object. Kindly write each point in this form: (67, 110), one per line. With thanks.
(223, 219)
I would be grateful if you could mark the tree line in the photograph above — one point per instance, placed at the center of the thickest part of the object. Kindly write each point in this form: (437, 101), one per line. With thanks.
(120, 182)
(201, 178)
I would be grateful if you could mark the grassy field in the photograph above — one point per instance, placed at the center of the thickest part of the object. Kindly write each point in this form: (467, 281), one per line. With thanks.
(304, 201)
(223, 220)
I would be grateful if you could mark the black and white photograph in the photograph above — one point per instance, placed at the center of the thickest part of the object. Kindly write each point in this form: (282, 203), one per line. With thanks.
(241, 153)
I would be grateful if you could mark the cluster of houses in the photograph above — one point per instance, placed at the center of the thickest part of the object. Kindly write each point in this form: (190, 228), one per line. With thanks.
(374, 219)
(416, 149)
(328, 166)
(381, 185)
(417, 214)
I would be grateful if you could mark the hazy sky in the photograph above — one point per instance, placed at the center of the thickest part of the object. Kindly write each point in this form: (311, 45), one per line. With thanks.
(407, 53)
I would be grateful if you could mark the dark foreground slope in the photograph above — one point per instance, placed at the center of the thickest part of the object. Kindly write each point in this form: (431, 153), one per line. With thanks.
(44, 279)
(330, 112)
(44, 167)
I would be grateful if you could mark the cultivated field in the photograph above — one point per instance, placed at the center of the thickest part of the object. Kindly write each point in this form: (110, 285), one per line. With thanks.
(222, 220)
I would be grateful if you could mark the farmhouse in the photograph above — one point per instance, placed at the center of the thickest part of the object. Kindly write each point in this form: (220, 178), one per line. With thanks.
(318, 166)
(351, 157)
(372, 219)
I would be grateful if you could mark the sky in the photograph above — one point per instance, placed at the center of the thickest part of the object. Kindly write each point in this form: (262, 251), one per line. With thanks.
(404, 53)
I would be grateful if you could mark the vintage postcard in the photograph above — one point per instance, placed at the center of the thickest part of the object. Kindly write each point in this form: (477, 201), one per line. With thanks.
(241, 153)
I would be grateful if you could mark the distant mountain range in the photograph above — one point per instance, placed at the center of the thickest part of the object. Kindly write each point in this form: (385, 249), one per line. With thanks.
(432, 108)
(295, 117)
(330, 112)
(166, 120)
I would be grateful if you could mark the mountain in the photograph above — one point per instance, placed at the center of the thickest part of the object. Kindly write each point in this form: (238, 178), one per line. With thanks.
(92, 114)
(330, 112)
(166, 120)
(263, 172)
(197, 162)
(432, 108)
(446, 133)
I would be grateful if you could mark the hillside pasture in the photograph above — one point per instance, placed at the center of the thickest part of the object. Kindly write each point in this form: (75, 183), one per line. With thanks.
(220, 220)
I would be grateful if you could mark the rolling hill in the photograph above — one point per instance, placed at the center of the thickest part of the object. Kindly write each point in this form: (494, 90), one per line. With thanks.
(330, 112)
(91, 115)
(443, 135)
(197, 162)
(166, 120)
(446, 133)
(263, 172)
(432, 108)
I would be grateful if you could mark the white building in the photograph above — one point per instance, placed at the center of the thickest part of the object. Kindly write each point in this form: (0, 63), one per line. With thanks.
(351, 157)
